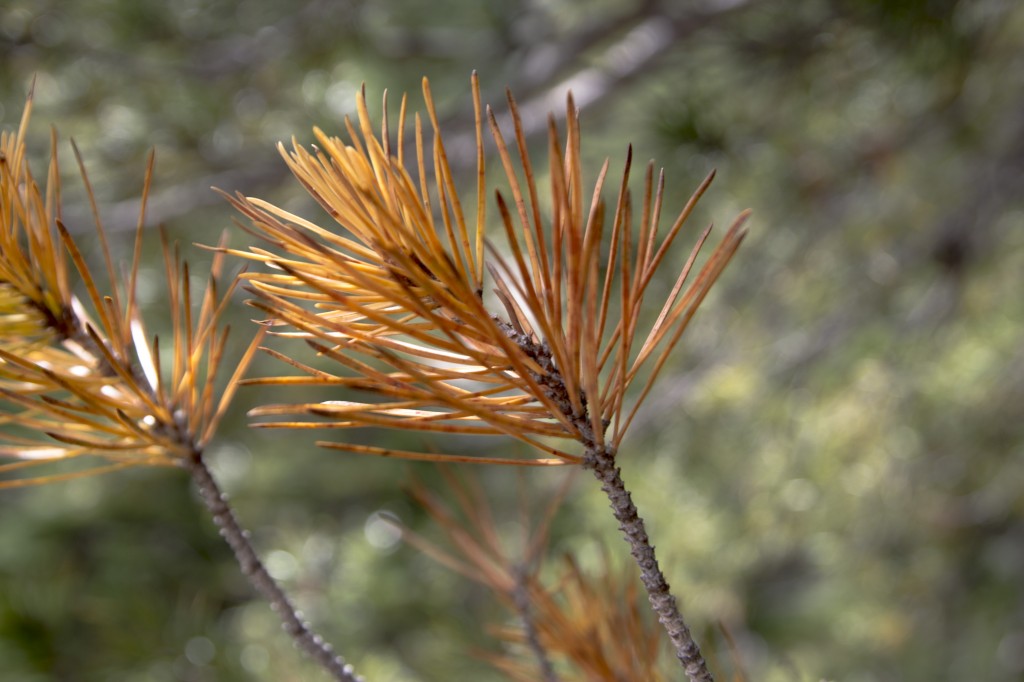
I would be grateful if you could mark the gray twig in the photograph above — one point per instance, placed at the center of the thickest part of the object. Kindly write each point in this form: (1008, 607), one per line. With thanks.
(253, 569)
(602, 462)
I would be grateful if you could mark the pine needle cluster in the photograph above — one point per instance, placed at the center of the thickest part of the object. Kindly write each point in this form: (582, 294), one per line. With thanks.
(81, 376)
(397, 298)
(578, 625)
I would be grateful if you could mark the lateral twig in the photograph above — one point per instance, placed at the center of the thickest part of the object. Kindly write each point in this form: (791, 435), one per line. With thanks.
(238, 539)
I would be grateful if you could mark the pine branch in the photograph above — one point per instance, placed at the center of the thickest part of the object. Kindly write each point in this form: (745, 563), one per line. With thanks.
(254, 570)
(600, 459)
(602, 462)
(396, 300)
(82, 387)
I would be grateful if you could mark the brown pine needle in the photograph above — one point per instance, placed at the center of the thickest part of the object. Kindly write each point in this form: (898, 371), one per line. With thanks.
(436, 457)
(58, 478)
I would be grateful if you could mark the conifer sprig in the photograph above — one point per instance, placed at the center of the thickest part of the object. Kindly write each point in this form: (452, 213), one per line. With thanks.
(397, 297)
(81, 378)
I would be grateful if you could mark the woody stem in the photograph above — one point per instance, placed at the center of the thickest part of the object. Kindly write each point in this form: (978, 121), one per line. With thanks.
(601, 460)
(253, 569)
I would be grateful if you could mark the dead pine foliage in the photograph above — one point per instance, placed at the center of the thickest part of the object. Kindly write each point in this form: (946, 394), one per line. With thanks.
(85, 389)
(541, 335)
(578, 625)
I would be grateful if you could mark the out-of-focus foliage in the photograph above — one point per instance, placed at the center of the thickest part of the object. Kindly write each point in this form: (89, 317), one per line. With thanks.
(833, 470)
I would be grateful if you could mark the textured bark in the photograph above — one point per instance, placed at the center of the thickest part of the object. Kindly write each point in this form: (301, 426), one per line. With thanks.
(253, 569)
(602, 462)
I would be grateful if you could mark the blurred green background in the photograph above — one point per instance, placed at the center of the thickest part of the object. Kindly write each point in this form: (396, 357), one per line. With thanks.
(833, 466)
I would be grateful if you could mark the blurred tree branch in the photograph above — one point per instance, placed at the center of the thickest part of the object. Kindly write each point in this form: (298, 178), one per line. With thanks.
(628, 45)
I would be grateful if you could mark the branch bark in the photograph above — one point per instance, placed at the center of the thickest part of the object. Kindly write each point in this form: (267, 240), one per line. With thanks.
(602, 462)
(254, 570)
